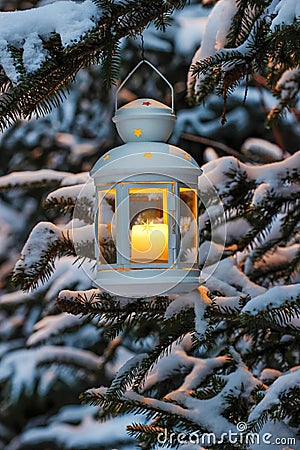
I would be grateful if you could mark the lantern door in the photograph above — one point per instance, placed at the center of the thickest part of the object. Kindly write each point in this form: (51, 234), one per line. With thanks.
(188, 227)
(147, 225)
(146, 212)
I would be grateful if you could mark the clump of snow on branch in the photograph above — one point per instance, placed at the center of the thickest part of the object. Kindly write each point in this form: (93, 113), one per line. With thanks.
(286, 12)
(198, 369)
(43, 236)
(215, 35)
(282, 385)
(261, 150)
(273, 298)
(272, 174)
(219, 22)
(20, 368)
(89, 432)
(52, 325)
(30, 178)
(27, 29)
(199, 300)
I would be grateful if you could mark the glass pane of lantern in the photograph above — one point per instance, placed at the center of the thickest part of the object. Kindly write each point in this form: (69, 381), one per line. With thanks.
(188, 226)
(148, 209)
(107, 227)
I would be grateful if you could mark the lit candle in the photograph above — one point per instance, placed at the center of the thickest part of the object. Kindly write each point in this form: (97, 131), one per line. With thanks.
(149, 243)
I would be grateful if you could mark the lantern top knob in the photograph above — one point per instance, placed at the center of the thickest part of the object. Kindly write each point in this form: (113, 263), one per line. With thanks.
(144, 120)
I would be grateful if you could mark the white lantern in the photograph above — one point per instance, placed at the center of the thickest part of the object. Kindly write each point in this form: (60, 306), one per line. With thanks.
(146, 227)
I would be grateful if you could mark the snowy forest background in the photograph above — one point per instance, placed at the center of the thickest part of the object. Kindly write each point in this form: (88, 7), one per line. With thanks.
(49, 357)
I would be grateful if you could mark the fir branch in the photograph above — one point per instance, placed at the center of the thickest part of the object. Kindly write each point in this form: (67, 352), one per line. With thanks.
(247, 15)
(113, 316)
(31, 179)
(78, 302)
(173, 331)
(252, 46)
(215, 384)
(137, 404)
(38, 92)
(29, 274)
(276, 318)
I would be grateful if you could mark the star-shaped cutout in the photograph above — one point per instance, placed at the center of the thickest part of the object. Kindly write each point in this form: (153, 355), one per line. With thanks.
(137, 132)
(148, 226)
(146, 103)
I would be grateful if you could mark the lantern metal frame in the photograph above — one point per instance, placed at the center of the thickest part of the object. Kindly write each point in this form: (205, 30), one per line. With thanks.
(142, 163)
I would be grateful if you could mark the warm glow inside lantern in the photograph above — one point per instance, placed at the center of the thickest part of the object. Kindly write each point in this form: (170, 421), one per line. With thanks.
(146, 221)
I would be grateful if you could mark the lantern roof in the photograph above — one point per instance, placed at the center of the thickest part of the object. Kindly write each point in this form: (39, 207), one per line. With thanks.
(147, 107)
(154, 158)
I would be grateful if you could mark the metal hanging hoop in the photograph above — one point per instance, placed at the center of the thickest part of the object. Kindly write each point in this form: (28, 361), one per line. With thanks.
(157, 71)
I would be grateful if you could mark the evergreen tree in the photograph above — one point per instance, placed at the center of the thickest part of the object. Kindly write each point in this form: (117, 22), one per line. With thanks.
(221, 359)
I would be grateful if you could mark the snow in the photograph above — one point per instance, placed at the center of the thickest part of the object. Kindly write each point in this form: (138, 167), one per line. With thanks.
(281, 430)
(14, 298)
(46, 234)
(20, 367)
(67, 273)
(227, 270)
(217, 27)
(288, 83)
(260, 194)
(269, 374)
(121, 356)
(82, 235)
(210, 154)
(189, 28)
(215, 33)
(210, 252)
(280, 257)
(43, 235)
(28, 28)
(74, 413)
(67, 193)
(227, 302)
(280, 386)
(182, 302)
(201, 303)
(28, 178)
(66, 294)
(261, 150)
(189, 34)
(34, 53)
(287, 11)
(76, 178)
(90, 433)
(214, 38)
(204, 412)
(128, 366)
(7, 61)
(229, 280)
(52, 325)
(197, 299)
(273, 173)
(275, 297)
(203, 122)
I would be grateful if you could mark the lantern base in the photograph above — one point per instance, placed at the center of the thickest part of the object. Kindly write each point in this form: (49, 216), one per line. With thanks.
(148, 282)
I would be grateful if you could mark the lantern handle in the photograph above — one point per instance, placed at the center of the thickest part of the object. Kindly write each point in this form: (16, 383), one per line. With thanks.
(132, 72)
